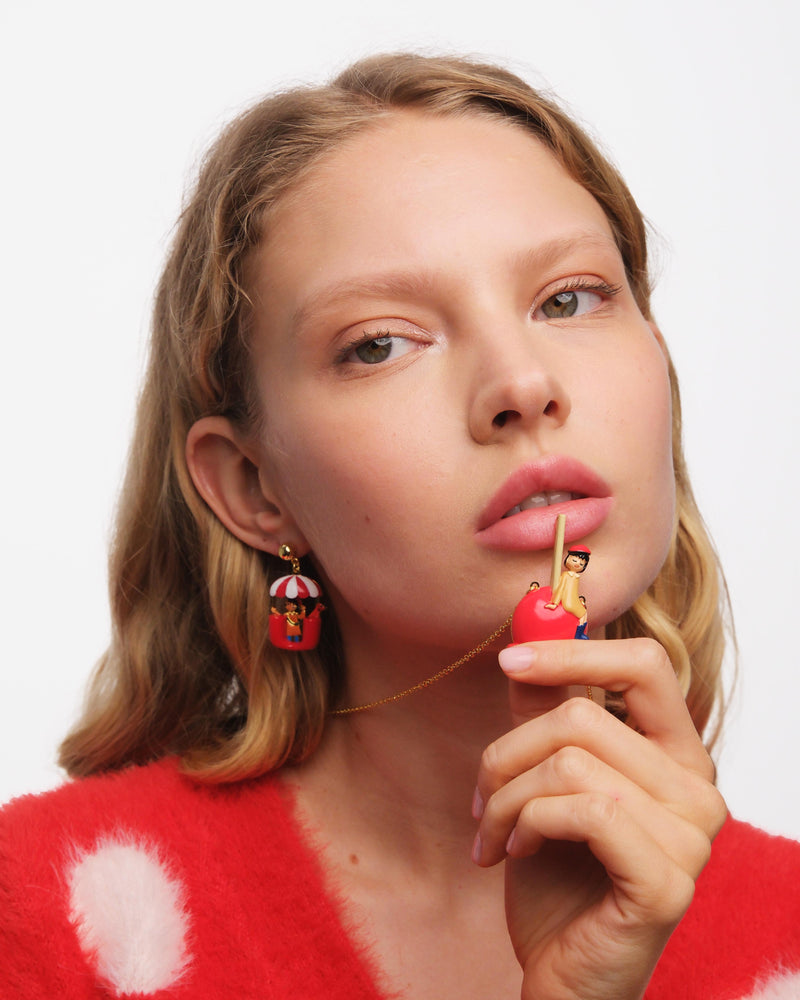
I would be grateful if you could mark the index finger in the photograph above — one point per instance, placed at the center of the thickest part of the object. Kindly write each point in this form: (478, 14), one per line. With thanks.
(638, 669)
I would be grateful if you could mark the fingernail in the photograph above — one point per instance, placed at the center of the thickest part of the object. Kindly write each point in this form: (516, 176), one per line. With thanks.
(477, 847)
(515, 659)
(477, 804)
(510, 841)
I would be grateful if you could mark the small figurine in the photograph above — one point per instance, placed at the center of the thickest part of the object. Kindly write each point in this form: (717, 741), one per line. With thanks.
(566, 590)
(293, 620)
(557, 611)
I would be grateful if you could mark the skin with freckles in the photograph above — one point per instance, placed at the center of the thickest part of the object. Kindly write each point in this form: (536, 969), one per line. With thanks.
(439, 307)
(453, 258)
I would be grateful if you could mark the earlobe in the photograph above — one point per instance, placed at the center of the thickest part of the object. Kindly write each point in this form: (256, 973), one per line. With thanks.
(225, 471)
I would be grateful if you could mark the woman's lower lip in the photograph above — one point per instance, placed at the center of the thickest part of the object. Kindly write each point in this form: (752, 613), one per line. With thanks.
(534, 530)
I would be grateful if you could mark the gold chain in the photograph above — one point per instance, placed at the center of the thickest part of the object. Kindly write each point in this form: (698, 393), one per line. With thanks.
(430, 680)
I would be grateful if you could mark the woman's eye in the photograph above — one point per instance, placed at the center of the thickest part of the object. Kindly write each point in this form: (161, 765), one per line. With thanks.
(379, 349)
(573, 302)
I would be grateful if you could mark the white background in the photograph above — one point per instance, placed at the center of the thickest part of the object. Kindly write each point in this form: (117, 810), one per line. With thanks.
(105, 109)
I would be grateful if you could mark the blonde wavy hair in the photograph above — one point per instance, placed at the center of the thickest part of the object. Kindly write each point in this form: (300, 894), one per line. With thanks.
(189, 670)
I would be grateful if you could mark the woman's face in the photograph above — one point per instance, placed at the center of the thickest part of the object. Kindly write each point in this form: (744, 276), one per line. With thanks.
(448, 355)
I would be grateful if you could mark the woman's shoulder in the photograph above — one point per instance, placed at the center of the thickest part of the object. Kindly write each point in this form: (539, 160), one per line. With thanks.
(78, 799)
(156, 796)
(145, 880)
(155, 803)
(742, 931)
(755, 861)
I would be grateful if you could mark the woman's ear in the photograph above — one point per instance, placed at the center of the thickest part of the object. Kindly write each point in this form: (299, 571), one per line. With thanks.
(226, 474)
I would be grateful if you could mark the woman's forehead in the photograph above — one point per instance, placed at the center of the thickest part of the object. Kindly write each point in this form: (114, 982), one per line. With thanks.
(412, 143)
(418, 191)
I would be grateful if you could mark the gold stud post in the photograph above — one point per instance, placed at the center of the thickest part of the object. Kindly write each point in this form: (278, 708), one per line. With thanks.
(286, 553)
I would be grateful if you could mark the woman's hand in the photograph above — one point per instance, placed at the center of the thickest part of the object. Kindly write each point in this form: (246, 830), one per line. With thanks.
(606, 827)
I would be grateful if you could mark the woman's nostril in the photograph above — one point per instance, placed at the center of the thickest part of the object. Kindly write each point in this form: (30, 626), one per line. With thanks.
(502, 418)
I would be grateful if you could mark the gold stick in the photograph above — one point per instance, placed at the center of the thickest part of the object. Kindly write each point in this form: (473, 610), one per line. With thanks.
(558, 551)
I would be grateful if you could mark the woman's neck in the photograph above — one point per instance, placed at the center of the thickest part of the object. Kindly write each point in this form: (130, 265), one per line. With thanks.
(386, 799)
(400, 772)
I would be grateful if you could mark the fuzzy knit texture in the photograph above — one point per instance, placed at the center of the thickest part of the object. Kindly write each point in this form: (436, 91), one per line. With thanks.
(143, 883)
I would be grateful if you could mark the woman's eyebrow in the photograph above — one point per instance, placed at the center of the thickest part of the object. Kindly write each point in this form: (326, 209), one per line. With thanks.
(401, 284)
(548, 254)
(394, 284)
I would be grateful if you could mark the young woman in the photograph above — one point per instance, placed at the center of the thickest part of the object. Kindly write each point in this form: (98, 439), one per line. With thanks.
(405, 324)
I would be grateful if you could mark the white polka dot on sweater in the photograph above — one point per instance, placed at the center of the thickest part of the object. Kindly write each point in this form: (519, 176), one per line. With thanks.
(129, 914)
(781, 986)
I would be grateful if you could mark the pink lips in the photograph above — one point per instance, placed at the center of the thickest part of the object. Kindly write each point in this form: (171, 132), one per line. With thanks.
(532, 530)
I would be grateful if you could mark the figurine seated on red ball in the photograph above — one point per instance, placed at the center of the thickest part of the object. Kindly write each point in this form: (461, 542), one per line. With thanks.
(566, 591)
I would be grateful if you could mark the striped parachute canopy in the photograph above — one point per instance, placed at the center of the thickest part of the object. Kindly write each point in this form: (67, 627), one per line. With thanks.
(294, 586)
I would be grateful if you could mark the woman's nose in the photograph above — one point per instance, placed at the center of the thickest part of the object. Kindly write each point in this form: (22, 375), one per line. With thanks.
(515, 390)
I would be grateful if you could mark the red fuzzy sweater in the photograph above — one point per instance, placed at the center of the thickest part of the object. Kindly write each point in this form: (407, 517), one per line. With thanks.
(144, 882)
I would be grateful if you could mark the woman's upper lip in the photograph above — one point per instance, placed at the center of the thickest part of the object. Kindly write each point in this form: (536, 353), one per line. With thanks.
(550, 473)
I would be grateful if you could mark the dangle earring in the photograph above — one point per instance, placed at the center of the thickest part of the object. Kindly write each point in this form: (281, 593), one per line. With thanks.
(291, 625)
